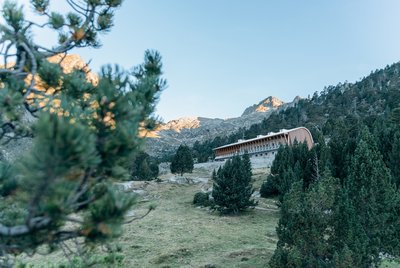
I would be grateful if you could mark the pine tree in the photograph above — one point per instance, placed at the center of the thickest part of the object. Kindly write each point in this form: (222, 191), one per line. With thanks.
(349, 240)
(232, 188)
(345, 222)
(371, 192)
(384, 133)
(144, 172)
(84, 134)
(182, 161)
(305, 227)
(395, 116)
(154, 169)
(394, 159)
(144, 167)
(339, 150)
(292, 163)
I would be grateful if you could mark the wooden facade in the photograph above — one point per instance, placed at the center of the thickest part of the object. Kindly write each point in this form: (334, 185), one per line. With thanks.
(265, 145)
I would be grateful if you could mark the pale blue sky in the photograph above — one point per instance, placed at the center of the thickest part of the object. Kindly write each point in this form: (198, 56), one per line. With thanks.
(221, 56)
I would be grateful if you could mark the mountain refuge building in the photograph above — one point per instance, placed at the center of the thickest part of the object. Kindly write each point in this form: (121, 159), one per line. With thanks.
(264, 147)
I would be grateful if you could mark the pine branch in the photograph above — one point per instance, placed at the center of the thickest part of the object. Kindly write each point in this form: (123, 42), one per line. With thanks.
(33, 68)
(140, 217)
(32, 224)
(77, 7)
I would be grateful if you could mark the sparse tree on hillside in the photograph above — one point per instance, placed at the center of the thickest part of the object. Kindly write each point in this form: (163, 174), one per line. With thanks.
(83, 137)
(182, 161)
(232, 188)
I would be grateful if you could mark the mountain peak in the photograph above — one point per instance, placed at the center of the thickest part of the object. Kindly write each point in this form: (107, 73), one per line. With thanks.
(71, 62)
(269, 103)
(184, 122)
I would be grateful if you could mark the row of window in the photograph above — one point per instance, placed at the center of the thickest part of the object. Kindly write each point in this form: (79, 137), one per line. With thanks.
(261, 147)
(256, 155)
(264, 154)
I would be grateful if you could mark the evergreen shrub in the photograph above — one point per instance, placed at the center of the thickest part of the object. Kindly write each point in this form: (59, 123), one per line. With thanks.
(201, 199)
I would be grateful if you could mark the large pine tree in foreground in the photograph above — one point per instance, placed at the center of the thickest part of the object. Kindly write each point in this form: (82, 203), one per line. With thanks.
(232, 188)
(84, 134)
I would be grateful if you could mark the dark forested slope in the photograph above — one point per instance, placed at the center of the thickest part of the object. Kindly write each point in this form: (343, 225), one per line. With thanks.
(374, 97)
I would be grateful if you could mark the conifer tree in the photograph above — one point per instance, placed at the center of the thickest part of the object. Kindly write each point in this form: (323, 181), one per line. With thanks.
(84, 133)
(144, 172)
(339, 150)
(371, 192)
(305, 228)
(337, 222)
(144, 167)
(394, 159)
(349, 240)
(292, 163)
(232, 188)
(182, 161)
(395, 116)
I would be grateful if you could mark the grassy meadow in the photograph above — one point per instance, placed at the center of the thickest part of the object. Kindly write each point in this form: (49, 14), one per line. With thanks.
(178, 234)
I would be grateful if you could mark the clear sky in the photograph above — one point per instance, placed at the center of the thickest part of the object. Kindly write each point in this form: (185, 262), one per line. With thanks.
(221, 56)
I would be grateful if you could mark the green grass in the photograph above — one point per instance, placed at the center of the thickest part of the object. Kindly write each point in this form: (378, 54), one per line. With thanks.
(390, 264)
(177, 234)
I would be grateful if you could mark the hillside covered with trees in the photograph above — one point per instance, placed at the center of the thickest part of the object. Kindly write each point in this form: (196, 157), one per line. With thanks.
(340, 200)
(371, 101)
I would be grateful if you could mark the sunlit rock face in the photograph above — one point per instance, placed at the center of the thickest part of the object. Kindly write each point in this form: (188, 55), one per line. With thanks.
(68, 62)
(270, 103)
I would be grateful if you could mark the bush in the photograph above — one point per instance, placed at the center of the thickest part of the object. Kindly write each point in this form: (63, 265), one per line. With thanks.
(201, 199)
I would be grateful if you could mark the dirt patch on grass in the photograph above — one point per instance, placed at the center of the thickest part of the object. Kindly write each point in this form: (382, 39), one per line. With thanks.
(177, 256)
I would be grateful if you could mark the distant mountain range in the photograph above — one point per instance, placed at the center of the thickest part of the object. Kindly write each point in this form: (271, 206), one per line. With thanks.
(188, 130)
(374, 96)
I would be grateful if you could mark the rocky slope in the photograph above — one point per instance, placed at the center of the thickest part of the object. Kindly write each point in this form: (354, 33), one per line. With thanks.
(12, 150)
(189, 130)
(264, 106)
